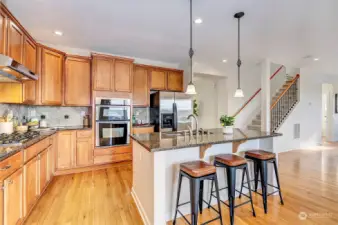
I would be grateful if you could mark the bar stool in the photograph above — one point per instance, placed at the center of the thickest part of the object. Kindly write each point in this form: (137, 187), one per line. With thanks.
(197, 172)
(261, 159)
(231, 163)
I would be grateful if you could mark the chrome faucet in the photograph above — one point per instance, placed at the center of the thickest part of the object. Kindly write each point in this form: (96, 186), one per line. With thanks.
(196, 121)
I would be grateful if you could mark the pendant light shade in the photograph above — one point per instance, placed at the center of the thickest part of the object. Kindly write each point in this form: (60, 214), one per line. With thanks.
(191, 90)
(239, 92)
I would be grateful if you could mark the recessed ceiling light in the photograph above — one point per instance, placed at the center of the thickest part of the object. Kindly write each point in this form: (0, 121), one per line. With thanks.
(316, 59)
(58, 33)
(224, 60)
(198, 21)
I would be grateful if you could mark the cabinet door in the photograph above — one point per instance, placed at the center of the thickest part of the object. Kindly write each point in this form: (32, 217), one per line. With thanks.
(13, 198)
(51, 77)
(158, 80)
(66, 149)
(123, 76)
(77, 82)
(175, 81)
(84, 152)
(30, 174)
(103, 74)
(3, 32)
(50, 163)
(43, 160)
(29, 60)
(15, 42)
(140, 87)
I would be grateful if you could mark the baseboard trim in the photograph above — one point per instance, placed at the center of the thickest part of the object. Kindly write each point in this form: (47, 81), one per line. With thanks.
(140, 208)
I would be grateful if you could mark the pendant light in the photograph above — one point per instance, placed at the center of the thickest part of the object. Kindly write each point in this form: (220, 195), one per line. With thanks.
(239, 92)
(191, 90)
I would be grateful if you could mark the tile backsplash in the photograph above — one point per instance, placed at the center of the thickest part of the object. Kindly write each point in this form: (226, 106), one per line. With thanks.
(55, 115)
(142, 115)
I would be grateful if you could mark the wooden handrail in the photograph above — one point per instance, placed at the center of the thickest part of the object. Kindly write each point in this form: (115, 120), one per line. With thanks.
(283, 93)
(256, 93)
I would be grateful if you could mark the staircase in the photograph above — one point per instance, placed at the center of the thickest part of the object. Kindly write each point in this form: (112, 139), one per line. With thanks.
(282, 105)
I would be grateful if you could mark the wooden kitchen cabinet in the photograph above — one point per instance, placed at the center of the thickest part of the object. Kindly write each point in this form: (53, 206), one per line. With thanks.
(51, 76)
(140, 86)
(77, 81)
(30, 174)
(66, 148)
(103, 74)
(29, 60)
(13, 198)
(15, 42)
(51, 157)
(158, 79)
(10, 93)
(175, 81)
(123, 75)
(3, 32)
(84, 152)
(43, 165)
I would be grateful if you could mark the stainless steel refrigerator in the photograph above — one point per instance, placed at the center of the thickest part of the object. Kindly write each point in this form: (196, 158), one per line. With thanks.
(169, 111)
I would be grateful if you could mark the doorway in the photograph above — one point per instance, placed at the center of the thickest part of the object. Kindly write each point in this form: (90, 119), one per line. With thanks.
(327, 112)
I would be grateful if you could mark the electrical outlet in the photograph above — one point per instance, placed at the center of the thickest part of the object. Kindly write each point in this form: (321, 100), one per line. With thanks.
(83, 113)
(66, 117)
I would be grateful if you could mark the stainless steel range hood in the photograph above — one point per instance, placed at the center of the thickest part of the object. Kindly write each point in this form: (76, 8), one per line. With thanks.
(12, 71)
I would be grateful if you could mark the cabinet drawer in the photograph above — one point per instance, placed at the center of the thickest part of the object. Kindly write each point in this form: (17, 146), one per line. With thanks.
(10, 164)
(113, 150)
(84, 134)
(35, 149)
(112, 158)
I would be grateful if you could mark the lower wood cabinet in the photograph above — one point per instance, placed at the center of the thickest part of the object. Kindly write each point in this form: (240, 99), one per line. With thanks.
(13, 198)
(43, 160)
(143, 130)
(30, 177)
(84, 152)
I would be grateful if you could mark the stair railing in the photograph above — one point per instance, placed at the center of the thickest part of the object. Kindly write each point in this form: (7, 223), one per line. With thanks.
(257, 92)
(284, 103)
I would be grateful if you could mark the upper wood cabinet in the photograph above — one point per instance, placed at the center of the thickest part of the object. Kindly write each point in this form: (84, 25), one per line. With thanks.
(175, 81)
(3, 32)
(29, 54)
(13, 198)
(15, 42)
(51, 77)
(140, 86)
(158, 79)
(66, 149)
(112, 73)
(77, 81)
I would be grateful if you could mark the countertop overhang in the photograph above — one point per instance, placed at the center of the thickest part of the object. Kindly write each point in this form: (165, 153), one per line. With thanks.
(158, 141)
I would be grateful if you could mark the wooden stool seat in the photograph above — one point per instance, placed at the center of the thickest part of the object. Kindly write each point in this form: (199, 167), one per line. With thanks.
(230, 159)
(197, 168)
(260, 154)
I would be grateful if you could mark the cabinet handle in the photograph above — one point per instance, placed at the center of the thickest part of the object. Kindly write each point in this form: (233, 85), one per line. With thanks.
(5, 168)
(10, 182)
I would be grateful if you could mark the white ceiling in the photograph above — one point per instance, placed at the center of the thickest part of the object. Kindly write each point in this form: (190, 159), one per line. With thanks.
(284, 31)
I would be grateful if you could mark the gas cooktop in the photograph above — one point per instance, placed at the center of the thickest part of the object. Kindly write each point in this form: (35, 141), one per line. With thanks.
(17, 138)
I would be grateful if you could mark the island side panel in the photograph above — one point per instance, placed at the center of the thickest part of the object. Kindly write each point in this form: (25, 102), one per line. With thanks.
(143, 182)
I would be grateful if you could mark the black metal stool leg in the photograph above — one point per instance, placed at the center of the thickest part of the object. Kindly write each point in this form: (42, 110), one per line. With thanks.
(201, 195)
(231, 177)
(178, 196)
(243, 175)
(256, 170)
(212, 187)
(218, 199)
(194, 198)
(277, 178)
(249, 187)
(264, 180)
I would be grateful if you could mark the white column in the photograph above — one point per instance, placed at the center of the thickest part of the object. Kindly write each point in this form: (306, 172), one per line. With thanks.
(265, 95)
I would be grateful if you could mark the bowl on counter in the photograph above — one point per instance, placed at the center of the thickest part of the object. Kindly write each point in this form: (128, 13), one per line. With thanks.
(22, 129)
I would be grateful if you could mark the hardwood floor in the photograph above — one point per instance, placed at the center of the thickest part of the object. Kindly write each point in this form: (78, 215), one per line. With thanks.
(309, 180)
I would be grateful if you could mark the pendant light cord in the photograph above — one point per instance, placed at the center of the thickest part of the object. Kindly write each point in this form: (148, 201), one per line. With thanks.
(191, 51)
(239, 63)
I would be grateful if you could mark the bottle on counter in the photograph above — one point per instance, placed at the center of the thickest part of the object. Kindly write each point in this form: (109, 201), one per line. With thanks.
(43, 121)
(24, 121)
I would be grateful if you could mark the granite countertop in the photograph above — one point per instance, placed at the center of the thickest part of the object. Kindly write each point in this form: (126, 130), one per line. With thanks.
(9, 150)
(169, 141)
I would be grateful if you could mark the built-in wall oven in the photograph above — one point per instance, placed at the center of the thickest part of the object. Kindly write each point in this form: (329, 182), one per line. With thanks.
(112, 122)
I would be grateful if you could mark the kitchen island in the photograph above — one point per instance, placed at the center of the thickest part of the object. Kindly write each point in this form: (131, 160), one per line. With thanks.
(156, 160)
